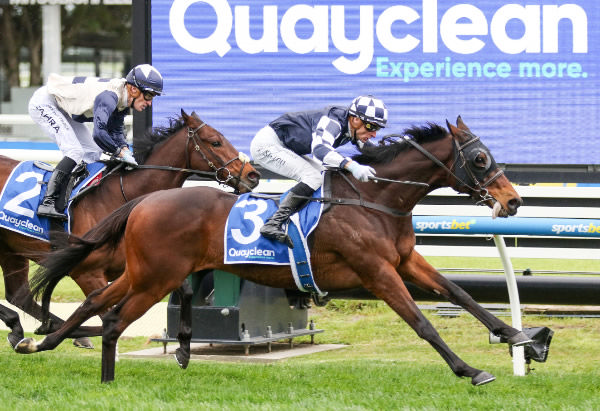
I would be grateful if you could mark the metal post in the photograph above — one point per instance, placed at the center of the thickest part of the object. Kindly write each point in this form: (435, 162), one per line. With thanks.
(51, 38)
(141, 53)
(515, 305)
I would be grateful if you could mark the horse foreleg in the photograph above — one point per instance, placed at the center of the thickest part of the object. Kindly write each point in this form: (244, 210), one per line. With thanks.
(387, 286)
(15, 270)
(422, 274)
(11, 319)
(182, 354)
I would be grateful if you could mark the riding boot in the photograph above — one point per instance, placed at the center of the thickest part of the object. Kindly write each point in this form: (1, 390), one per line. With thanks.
(273, 227)
(56, 185)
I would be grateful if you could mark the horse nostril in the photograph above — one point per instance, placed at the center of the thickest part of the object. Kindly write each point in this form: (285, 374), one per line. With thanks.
(254, 176)
(514, 204)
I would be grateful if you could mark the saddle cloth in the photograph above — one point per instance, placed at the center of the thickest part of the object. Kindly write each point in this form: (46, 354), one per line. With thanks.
(245, 245)
(24, 191)
(243, 242)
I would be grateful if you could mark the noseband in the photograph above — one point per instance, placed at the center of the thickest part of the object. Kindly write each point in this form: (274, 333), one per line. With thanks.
(222, 174)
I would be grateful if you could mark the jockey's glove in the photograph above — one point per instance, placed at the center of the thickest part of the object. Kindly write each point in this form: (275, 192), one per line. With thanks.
(127, 157)
(360, 172)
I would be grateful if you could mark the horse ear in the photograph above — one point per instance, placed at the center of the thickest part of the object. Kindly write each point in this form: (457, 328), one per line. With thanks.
(184, 115)
(453, 130)
(461, 124)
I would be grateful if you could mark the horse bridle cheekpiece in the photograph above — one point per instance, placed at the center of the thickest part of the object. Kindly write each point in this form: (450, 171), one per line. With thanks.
(473, 162)
(222, 174)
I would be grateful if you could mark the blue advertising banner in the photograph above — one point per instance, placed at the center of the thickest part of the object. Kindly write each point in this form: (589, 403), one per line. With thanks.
(523, 75)
(554, 227)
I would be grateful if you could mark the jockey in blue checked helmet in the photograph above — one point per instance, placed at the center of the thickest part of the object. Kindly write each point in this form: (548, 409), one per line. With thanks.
(297, 145)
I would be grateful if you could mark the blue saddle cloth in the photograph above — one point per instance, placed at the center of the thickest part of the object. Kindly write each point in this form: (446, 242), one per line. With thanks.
(23, 193)
(243, 242)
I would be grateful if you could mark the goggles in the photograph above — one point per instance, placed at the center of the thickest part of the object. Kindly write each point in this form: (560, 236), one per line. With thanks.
(148, 95)
(371, 126)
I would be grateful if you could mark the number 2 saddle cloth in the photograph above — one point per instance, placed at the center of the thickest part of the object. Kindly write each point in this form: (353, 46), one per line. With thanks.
(25, 189)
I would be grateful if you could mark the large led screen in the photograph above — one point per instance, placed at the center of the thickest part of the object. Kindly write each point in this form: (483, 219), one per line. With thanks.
(523, 75)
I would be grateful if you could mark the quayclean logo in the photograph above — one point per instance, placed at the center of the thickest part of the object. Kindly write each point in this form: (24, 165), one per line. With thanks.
(20, 223)
(252, 253)
(462, 29)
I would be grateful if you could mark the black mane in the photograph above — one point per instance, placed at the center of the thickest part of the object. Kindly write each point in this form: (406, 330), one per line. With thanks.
(389, 148)
(143, 147)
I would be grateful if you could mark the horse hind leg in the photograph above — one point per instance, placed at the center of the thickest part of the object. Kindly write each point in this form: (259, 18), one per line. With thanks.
(129, 309)
(96, 303)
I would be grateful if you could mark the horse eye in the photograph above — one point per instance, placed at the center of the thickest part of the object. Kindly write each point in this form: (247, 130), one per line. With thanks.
(480, 160)
(216, 144)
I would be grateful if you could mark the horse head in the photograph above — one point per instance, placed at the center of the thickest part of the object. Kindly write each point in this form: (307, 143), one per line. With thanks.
(231, 167)
(477, 173)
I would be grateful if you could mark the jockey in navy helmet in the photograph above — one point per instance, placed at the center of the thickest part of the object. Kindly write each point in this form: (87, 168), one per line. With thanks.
(65, 103)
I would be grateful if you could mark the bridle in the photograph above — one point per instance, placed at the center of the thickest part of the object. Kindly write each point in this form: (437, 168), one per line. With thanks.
(464, 167)
(222, 174)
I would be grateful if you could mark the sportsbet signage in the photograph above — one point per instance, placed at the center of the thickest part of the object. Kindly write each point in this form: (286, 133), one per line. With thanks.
(523, 76)
(569, 227)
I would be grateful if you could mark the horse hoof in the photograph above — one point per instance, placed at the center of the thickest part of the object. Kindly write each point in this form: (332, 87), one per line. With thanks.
(182, 359)
(482, 378)
(14, 339)
(519, 339)
(26, 346)
(83, 342)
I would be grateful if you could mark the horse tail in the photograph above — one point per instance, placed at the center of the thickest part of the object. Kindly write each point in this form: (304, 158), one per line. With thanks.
(60, 263)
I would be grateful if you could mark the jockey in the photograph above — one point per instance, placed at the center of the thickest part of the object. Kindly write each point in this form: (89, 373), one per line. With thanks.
(65, 103)
(283, 146)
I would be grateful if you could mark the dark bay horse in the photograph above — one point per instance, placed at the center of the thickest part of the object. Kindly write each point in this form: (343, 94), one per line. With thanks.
(353, 246)
(169, 155)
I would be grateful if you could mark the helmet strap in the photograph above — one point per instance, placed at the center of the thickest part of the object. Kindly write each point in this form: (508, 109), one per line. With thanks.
(134, 92)
(351, 129)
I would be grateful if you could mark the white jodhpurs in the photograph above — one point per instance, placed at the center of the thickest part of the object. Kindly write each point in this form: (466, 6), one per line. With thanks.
(73, 138)
(268, 151)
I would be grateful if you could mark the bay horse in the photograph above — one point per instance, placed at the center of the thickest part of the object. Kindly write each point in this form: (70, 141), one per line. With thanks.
(368, 243)
(168, 156)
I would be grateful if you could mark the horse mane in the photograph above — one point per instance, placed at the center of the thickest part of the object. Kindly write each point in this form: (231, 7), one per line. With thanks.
(389, 148)
(143, 146)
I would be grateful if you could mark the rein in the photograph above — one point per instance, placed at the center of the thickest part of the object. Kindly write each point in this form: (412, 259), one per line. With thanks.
(359, 201)
(192, 134)
(479, 188)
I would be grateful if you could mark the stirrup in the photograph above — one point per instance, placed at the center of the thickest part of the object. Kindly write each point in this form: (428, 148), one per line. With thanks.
(279, 236)
(52, 213)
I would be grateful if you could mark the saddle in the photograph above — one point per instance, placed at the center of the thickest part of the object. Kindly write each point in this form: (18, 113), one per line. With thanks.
(79, 174)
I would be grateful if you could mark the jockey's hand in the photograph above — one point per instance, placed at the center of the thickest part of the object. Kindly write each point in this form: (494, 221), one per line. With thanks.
(360, 172)
(127, 157)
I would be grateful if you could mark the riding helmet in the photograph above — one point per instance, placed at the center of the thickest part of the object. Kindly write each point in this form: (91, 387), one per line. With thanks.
(146, 78)
(369, 109)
